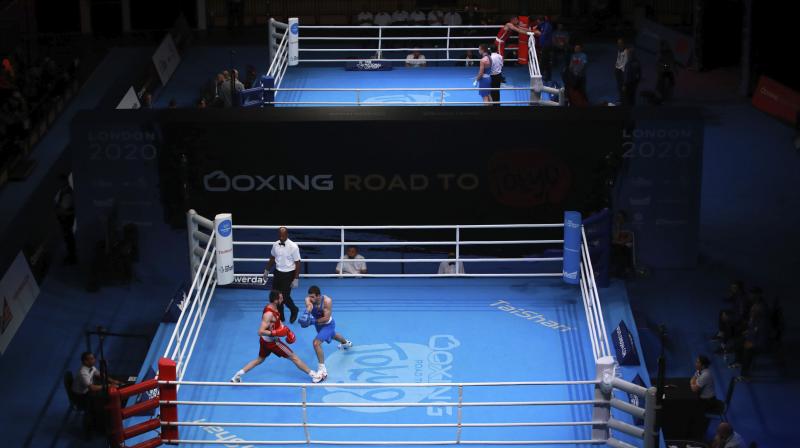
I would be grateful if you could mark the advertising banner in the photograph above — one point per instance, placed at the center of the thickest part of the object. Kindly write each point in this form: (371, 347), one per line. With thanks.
(18, 291)
(166, 59)
(777, 100)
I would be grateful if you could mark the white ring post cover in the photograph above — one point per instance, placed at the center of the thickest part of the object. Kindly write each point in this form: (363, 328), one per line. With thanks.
(224, 248)
(294, 39)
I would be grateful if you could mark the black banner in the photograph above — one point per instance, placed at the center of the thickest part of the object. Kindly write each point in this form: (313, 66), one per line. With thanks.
(387, 165)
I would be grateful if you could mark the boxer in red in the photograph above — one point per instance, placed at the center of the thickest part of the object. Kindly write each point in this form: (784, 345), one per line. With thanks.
(505, 32)
(270, 332)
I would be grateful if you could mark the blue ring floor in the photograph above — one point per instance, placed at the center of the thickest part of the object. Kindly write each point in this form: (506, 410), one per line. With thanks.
(400, 77)
(429, 330)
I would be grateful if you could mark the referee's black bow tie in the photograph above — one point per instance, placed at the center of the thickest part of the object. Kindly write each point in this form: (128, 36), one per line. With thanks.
(282, 243)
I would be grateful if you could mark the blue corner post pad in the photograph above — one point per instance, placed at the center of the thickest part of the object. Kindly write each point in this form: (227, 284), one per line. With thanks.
(572, 247)
(268, 82)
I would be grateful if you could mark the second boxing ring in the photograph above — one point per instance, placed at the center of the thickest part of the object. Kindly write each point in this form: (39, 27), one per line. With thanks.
(476, 358)
(309, 70)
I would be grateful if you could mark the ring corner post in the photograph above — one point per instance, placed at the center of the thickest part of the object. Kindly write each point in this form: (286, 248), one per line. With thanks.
(601, 411)
(223, 245)
(167, 371)
(294, 45)
(114, 407)
(651, 418)
(191, 227)
(572, 247)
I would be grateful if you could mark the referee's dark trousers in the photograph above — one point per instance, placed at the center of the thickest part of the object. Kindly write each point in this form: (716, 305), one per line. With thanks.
(496, 80)
(283, 283)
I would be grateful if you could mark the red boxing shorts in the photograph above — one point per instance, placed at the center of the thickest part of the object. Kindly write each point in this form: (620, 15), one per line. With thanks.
(278, 348)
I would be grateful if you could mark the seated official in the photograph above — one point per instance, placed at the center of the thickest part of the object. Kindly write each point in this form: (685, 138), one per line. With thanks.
(87, 388)
(449, 266)
(353, 264)
(702, 383)
(415, 59)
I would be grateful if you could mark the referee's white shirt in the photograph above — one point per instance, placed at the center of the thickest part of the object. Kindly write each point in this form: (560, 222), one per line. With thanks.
(285, 255)
(497, 64)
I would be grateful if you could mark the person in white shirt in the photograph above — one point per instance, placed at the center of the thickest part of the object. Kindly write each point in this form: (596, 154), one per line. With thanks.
(415, 59)
(496, 74)
(452, 18)
(353, 263)
(417, 17)
(435, 16)
(399, 17)
(89, 379)
(87, 388)
(364, 18)
(285, 256)
(450, 266)
(383, 18)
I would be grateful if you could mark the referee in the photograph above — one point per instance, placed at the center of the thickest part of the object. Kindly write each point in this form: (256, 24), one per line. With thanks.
(496, 73)
(285, 256)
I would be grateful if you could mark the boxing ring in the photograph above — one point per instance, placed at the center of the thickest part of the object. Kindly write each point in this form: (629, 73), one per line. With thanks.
(467, 358)
(308, 69)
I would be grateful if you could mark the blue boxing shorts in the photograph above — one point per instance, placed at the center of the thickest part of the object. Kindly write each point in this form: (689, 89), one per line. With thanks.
(484, 83)
(326, 332)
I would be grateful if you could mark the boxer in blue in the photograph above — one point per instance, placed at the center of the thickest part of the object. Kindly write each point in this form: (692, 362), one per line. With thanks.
(319, 312)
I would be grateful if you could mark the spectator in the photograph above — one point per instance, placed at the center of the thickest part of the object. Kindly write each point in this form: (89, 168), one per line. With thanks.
(172, 104)
(451, 267)
(65, 213)
(365, 17)
(755, 339)
(147, 100)
(633, 74)
(622, 246)
(473, 16)
(250, 78)
(726, 437)
(452, 18)
(575, 77)
(470, 58)
(435, 16)
(383, 18)
(399, 16)
(202, 104)
(619, 68)
(560, 45)
(546, 46)
(415, 59)
(230, 98)
(665, 78)
(353, 263)
(417, 17)
(235, 13)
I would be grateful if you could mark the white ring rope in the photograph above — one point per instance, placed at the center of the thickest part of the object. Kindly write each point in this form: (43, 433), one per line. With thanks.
(199, 298)
(337, 442)
(406, 260)
(395, 404)
(603, 347)
(197, 333)
(388, 425)
(192, 289)
(372, 385)
(408, 227)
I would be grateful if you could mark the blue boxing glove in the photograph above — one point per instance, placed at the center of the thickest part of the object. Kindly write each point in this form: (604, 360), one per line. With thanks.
(306, 319)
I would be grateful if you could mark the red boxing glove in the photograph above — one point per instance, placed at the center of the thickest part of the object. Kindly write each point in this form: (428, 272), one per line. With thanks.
(282, 331)
(290, 338)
